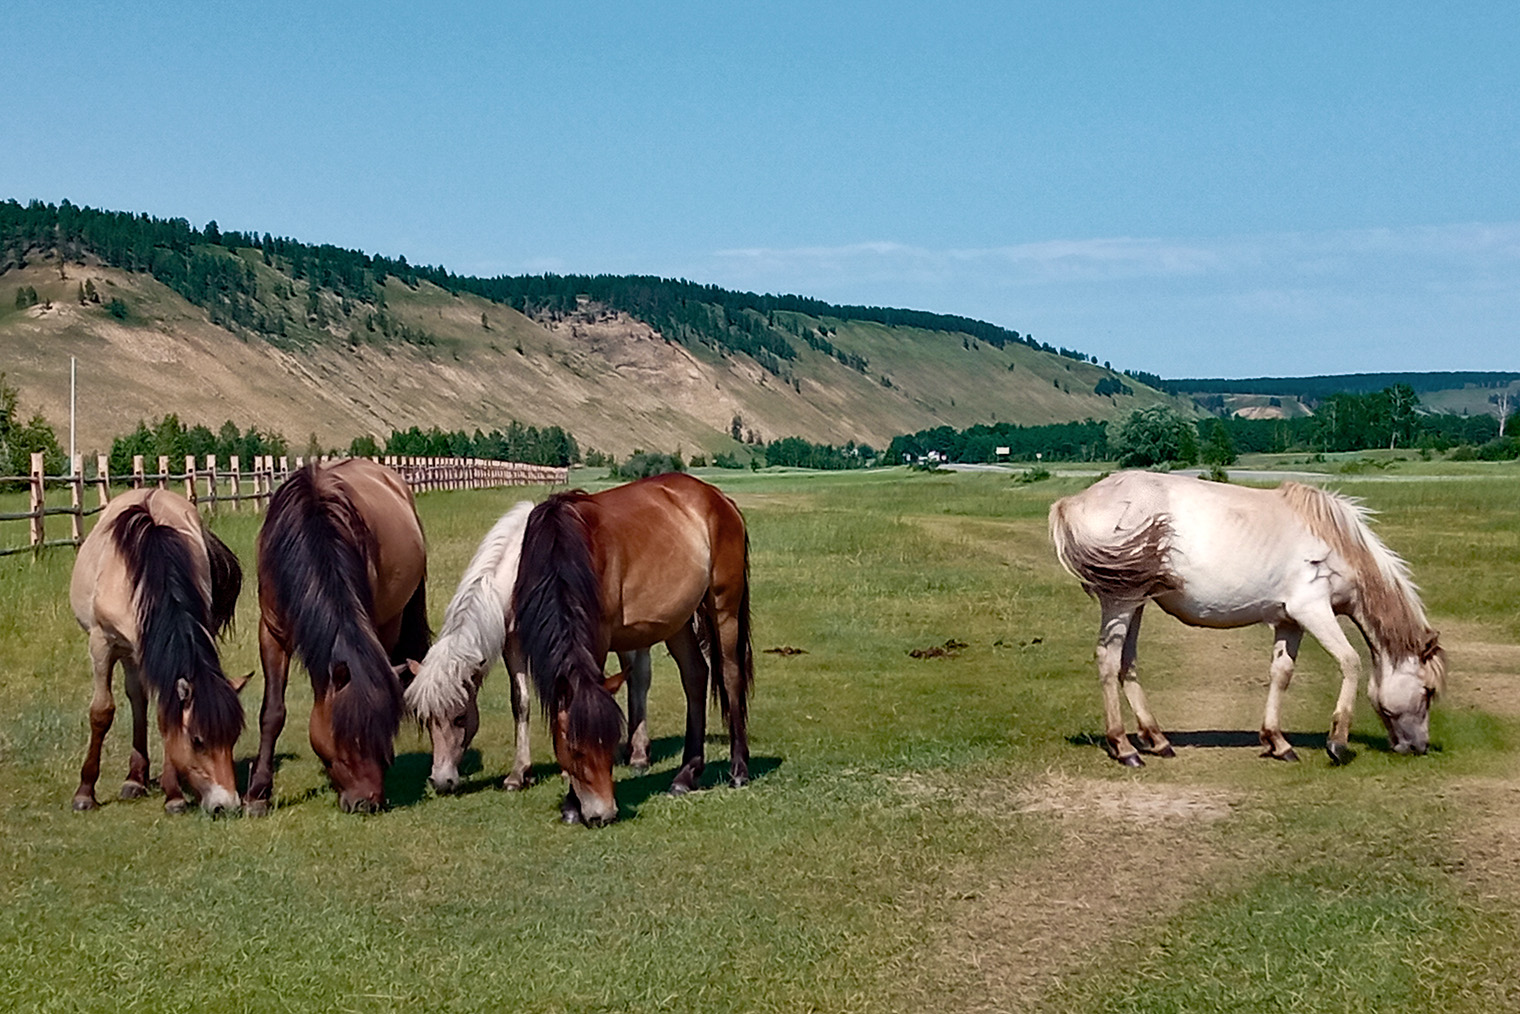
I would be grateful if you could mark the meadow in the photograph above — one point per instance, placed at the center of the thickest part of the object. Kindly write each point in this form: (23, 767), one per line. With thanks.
(940, 832)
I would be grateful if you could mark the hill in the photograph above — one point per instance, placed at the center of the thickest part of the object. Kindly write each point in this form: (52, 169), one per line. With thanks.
(302, 339)
(1458, 393)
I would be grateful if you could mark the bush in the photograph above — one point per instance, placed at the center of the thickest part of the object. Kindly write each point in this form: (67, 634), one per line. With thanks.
(117, 308)
(1154, 436)
(727, 459)
(642, 464)
(1038, 473)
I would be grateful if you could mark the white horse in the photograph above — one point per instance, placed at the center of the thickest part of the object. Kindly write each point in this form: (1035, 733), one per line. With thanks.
(478, 627)
(1216, 555)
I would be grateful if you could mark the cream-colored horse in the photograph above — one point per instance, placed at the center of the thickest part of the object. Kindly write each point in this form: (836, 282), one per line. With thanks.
(153, 587)
(1216, 555)
(479, 626)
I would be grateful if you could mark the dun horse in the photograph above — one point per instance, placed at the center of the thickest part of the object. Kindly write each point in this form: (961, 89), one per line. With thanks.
(153, 587)
(661, 559)
(479, 626)
(1214, 555)
(342, 566)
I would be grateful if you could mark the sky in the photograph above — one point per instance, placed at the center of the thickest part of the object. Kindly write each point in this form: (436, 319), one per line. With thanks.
(1191, 189)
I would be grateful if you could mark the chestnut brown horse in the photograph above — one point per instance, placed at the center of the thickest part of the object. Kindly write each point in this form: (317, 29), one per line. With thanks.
(342, 583)
(661, 559)
(153, 588)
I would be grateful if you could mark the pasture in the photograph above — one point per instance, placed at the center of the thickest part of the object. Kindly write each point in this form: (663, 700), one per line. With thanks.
(940, 832)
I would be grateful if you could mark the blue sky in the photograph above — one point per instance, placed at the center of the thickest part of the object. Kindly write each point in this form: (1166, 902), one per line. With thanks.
(1187, 188)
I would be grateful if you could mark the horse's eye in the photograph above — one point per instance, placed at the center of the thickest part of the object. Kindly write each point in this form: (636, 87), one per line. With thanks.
(459, 721)
(197, 742)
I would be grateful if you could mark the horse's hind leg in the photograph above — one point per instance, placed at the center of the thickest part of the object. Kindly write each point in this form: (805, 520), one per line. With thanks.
(102, 711)
(1152, 739)
(136, 784)
(1112, 635)
(637, 665)
(275, 660)
(1288, 637)
(687, 652)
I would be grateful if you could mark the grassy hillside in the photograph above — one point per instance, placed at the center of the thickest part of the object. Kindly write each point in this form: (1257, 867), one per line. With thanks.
(276, 337)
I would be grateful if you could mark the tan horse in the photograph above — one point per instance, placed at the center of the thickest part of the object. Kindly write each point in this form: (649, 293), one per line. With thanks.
(153, 587)
(342, 583)
(1215, 555)
(661, 559)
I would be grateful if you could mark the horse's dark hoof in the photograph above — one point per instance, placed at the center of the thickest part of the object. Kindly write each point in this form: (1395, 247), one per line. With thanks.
(739, 781)
(1166, 751)
(84, 803)
(1131, 760)
(1287, 755)
(256, 807)
(515, 783)
(176, 806)
(679, 788)
(1339, 753)
(133, 790)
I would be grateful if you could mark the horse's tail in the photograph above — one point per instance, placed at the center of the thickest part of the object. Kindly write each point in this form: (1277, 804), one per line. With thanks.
(745, 652)
(314, 553)
(175, 623)
(557, 606)
(226, 582)
(1133, 566)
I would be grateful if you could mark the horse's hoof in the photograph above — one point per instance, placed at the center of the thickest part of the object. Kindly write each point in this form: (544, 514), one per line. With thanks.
(256, 807)
(1339, 753)
(83, 803)
(1166, 751)
(639, 769)
(1287, 755)
(1131, 760)
(133, 790)
(739, 781)
(176, 806)
(515, 783)
(679, 788)
(570, 817)
(363, 806)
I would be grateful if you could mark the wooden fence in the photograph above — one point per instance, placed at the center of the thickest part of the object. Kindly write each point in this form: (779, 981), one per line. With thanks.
(211, 486)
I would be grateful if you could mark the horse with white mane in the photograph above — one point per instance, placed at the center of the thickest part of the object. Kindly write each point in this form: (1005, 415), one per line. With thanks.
(478, 627)
(1214, 555)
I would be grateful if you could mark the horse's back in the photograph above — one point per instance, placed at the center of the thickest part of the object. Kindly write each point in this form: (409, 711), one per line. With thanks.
(384, 500)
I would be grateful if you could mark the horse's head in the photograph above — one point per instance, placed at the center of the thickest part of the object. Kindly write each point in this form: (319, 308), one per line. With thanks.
(588, 725)
(353, 729)
(443, 693)
(1402, 696)
(199, 727)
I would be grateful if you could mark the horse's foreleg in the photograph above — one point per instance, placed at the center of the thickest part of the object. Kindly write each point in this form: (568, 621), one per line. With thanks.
(136, 784)
(517, 672)
(1284, 655)
(636, 664)
(1152, 739)
(688, 655)
(1111, 638)
(276, 664)
(1321, 623)
(102, 711)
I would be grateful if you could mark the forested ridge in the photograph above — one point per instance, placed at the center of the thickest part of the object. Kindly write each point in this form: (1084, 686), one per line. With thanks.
(1323, 386)
(320, 292)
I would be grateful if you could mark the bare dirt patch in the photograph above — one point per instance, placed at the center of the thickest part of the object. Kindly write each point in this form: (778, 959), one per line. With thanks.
(1121, 854)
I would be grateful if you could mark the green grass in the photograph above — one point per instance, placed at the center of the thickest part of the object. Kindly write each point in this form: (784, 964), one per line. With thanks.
(889, 822)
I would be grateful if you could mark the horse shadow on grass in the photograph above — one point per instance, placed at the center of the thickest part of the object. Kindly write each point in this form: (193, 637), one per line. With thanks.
(1248, 739)
(634, 790)
(243, 770)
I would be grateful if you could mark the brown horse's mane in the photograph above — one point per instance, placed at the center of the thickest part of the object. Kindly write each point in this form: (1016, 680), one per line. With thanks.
(315, 550)
(176, 625)
(1389, 604)
(558, 608)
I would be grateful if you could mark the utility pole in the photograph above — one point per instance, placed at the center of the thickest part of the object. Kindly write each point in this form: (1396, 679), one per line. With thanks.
(73, 389)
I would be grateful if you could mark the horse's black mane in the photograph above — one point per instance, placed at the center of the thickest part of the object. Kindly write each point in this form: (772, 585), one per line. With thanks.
(176, 624)
(558, 609)
(314, 553)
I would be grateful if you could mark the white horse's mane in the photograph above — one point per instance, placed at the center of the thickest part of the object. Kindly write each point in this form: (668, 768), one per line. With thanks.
(475, 623)
(1391, 600)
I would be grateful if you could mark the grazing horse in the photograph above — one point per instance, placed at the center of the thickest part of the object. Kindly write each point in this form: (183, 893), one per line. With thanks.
(1212, 555)
(661, 559)
(342, 583)
(479, 626)
(153, 587)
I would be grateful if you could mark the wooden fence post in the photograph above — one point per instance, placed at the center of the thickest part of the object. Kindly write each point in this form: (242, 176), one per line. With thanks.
(163, 471)
(138, 479)
(235, 481)
(76, 498)
(211, 490)
(39, 533)
(103, 477)
(191, 493)
(284, 469)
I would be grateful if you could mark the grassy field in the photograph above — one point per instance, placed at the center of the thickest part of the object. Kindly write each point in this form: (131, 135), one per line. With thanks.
(922, 833)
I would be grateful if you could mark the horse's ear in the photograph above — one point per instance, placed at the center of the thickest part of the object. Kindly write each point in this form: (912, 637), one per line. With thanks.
(185, 691)
(1432, 645)
(340, 675)
(241, 682)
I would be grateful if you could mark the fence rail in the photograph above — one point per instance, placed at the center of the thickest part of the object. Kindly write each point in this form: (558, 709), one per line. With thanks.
(209, 485)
